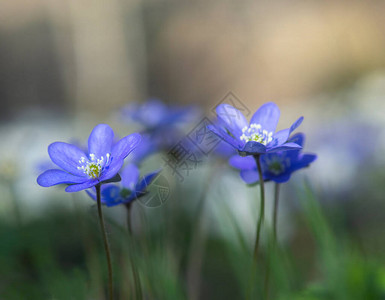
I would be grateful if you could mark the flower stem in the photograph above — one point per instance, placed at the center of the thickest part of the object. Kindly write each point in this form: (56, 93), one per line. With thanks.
(129, 226)
(262, 207)
(275, 213)
(105, 240)
(274, 242)
(259, 225)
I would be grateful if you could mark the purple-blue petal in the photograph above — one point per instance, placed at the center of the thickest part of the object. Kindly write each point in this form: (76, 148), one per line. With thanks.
(243, 163)
(296, 124)
(145, 182)
(232, 118)
(305, 159)
(111, 170)
(66, 156)
(281, 178)
(130, 176)
(82, 186)
(123, 147)
(267, 116)
(54, 177)
(224, 150)
(292, 155)
(279, 138)
(284, 147)
(249, 176)
(111, 195)
(225, 137)
(100, 140)
(252, 147)
(282, 136)
(298, 138)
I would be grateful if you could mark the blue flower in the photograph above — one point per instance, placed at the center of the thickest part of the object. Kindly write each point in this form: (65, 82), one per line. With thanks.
(129, 189)
(276, 166)
(259, 136)
(81, 171)
(154, 114)
(161, 123)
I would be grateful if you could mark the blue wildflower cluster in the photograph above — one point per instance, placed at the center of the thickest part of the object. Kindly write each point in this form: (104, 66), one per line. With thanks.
(255, 148)
(103, 163)
(264, 154)
(280, 154)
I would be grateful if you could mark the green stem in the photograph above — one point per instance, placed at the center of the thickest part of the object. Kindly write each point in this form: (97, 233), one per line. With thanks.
(262, 207)
(275, 212)
(105, 240)
(129, 227)
(274, 243)
(259, 225)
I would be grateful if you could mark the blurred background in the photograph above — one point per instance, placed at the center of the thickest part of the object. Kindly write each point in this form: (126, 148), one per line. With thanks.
(66, 66)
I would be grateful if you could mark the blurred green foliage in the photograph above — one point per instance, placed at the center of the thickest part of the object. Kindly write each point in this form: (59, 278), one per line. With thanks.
(60, 256)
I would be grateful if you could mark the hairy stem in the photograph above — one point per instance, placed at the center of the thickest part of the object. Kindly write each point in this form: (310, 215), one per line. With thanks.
(262, 207)
(275, 212)
(274, 242)
(259, 225)
(105, 240)
(129, 226)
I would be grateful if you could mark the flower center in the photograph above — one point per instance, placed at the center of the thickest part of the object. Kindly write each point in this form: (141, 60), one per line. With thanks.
(125, 193)
(94, 166)
(277, 164)
(276, 167)
(255, 133)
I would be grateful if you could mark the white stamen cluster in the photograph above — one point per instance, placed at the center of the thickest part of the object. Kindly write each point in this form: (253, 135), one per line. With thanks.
(94, 166)
(255, 133)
